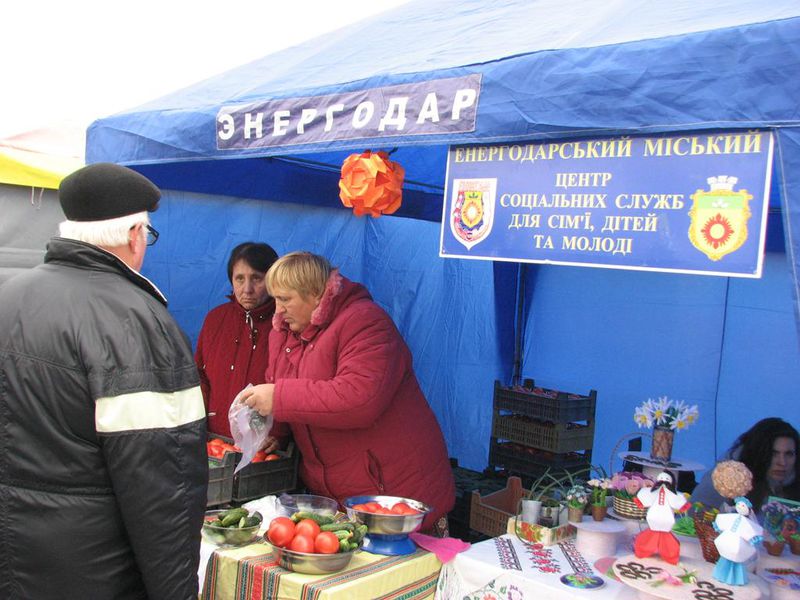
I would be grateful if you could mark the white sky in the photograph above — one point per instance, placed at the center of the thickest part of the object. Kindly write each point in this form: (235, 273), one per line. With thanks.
(73, 61)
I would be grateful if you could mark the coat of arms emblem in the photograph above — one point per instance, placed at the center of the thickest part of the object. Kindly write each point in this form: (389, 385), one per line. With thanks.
(472, 209)
(719, 217)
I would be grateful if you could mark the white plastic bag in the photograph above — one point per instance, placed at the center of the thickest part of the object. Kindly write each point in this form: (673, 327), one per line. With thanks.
(249, 429)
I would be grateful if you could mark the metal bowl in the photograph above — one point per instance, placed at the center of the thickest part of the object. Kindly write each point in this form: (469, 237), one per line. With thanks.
(321, 505)
(387, 524)
(227, 536)
(312, 564)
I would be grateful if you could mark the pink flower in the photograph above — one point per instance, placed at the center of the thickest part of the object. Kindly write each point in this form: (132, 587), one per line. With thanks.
(632, 486)
(668, 578)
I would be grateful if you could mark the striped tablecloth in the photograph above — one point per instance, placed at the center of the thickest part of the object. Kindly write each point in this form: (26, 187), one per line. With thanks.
(252, 573)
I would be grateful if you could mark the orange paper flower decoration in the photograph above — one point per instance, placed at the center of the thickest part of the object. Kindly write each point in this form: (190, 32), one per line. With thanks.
(371, 184)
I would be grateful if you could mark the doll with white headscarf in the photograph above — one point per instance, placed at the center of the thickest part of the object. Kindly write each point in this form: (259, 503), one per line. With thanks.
(736, 543)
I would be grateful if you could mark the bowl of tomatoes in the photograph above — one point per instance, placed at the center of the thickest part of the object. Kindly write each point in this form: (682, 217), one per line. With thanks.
(387, 515)
(315, 544)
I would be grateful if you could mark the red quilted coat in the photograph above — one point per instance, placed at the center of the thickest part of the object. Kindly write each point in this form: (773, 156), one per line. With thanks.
(347, 389)
(231, 352)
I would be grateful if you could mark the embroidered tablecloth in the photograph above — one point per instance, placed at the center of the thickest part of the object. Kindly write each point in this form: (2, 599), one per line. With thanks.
(252, 573)
(505, 568)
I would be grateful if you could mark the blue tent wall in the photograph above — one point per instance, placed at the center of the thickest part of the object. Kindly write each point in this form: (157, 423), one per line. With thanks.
(728, 345)
(551, 69)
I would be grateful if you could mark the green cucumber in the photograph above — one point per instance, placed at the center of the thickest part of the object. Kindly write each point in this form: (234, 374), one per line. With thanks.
(359, 533)
(320, 519)
(337, 526)
(233, 516)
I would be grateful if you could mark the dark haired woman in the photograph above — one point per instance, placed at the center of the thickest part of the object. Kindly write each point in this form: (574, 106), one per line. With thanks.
(769, 450)
(232, 348)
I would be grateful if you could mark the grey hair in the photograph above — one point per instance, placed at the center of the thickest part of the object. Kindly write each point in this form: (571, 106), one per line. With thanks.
(108, 233)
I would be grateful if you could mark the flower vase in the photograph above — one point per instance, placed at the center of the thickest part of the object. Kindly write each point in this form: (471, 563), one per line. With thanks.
(599, 512)
(663, 438)
(531, 510)
(575, 514)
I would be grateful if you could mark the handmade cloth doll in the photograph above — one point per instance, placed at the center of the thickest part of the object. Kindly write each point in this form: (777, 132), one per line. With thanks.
(661, 502)
(736, 543)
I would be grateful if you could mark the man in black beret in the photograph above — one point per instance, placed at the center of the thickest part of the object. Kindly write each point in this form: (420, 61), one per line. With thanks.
(103, 474)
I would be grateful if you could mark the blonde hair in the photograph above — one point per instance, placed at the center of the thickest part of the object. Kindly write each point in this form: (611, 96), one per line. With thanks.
(303, 272)
(108, 233)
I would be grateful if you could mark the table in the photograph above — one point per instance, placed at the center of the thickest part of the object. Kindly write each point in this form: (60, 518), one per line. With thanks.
(251, 573)
(505, 568)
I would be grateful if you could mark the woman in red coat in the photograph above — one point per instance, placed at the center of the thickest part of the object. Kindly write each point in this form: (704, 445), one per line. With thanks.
(341, 376)
(232, 347)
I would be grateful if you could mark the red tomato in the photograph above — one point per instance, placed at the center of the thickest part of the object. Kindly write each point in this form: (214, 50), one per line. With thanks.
(308, 527)
(372, 506)
(302, 543)
(401, 508)
(216, 441)
(215, 451)
(281, 531)
(272, 457)
(326, 543)
(360, 507)
(259, 457)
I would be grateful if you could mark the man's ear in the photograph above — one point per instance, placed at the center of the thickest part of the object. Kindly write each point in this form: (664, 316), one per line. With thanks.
(135, 237)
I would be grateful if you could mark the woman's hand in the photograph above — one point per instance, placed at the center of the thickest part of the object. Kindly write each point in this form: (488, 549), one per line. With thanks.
(259, 397)
(271, 444)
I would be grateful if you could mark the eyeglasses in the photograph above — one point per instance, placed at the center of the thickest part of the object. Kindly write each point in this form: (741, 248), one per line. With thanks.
(152, 235)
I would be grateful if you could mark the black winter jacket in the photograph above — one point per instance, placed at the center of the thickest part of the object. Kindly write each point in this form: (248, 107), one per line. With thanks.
(103, 468)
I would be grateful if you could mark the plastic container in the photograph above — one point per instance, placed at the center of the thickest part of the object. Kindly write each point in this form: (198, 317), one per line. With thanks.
(266, 478)
(553, 437)
(220, 479)
(543, 403)
(530, 461)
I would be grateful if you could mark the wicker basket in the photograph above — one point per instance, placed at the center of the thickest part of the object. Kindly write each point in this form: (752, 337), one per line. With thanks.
(706, 535)
(627, 509)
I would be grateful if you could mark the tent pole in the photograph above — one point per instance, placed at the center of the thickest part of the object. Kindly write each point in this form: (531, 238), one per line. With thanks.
(516, 375)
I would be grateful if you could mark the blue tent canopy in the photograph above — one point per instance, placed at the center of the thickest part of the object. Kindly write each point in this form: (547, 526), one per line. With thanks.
(548, 70)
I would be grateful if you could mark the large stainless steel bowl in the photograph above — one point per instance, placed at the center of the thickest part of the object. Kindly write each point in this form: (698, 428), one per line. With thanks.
(321, 505)
(312, 564)
(387, 524)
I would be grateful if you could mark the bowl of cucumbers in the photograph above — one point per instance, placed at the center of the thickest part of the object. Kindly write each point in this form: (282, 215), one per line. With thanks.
(231, 527)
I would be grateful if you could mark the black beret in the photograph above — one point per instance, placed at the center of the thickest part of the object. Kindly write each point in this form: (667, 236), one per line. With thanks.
(106, 191)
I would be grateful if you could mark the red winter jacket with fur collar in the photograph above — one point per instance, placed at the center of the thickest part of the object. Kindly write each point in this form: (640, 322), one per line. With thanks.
(347, 388)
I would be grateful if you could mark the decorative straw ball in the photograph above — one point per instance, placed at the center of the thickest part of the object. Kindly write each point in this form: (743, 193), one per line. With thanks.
(732, 478)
